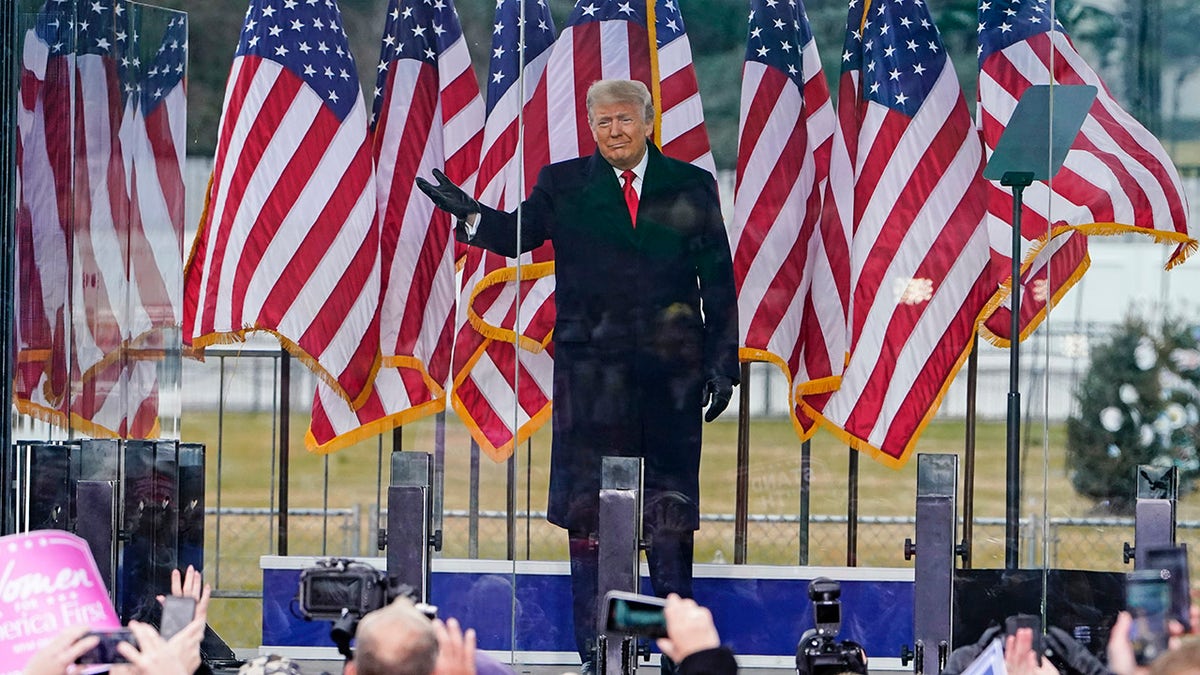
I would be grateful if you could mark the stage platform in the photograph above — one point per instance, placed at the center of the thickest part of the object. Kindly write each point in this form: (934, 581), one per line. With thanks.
(521, 611)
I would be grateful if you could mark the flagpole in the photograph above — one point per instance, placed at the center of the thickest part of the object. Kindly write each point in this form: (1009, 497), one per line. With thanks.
(741, 506)
(969, 453)
(805, 497)
(516, 388)
(285, 414)
(852, 509)
(655, 82)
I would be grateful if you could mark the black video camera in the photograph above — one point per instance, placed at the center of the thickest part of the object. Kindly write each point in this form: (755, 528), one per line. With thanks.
(344, 591)
(819, 651)
(335, 587)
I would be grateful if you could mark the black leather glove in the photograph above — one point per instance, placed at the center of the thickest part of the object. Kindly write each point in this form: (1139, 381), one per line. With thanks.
(718, 390)
(1070, 656)
(448, 197)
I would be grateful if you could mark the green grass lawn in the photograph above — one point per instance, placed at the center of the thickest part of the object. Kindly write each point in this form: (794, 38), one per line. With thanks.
(240, 474)
(243, 452)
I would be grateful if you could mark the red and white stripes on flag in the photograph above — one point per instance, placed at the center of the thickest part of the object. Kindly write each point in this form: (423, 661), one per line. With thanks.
(790, 301)
(289, 243)
(427, 113)
(44, 218)
(488, 370)
(912, 197)
(515, 147)
(628, 39)
(1116, 179)
(100, 220)
(153, 140)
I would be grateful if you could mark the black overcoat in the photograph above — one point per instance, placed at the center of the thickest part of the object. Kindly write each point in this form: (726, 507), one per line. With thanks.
(645, 316)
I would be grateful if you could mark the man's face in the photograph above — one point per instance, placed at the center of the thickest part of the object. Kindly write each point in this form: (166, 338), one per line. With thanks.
(620, 131)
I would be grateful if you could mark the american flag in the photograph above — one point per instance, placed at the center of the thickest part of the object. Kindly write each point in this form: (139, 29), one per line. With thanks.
(485, 359)
(116, 196)
(153, 142)
(427, 113)
(612, 39)
(289, 242)
(44, 217)
(919, 258)
(100, 290)
(516, 96)
(789, 298)
(1117, 178)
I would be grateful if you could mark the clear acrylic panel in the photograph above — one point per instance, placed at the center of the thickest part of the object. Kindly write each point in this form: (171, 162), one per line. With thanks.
(605, 343)
(100, 227)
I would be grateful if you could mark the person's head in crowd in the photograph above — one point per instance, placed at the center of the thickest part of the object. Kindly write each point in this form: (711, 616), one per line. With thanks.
(395, 640)
(1121, 659)
(1183, 660)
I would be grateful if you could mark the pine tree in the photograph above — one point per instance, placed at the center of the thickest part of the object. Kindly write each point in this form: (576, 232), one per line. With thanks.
(1139, 403)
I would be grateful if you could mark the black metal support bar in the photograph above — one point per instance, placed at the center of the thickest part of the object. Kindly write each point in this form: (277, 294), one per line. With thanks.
(969, 454)
(742, 496)
(10, 46)
(805, 509)
(439, 477)
(409, 541)
(285, 423)
(1018, 181)
(619, 545)
(1154, 511)
(937, 487)
(852, 510)
(97, 524)
(473, 503)
(511, 501)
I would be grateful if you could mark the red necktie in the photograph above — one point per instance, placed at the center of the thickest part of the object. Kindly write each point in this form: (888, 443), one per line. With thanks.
(631, 195)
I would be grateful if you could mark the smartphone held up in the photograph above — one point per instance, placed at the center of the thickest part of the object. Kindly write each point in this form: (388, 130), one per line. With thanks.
(105, 652)
(634, 614)
(1148, 601)
(177, 613)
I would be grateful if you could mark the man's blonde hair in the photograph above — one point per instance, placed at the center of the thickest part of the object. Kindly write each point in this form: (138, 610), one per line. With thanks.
(603, 92)
(396, 640)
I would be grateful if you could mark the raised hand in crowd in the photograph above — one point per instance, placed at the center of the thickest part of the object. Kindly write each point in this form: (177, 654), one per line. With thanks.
(190, 584)
(456, 648)
(58, 656)
(690, 629)
(155, 656)
(1121, 658)
(1021, 659)
(692, 640)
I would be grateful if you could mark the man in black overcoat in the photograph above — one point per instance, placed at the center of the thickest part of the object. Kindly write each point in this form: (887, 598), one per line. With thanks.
(646, 331)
